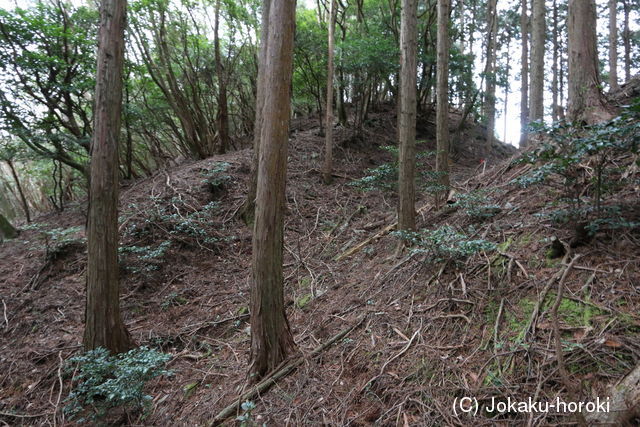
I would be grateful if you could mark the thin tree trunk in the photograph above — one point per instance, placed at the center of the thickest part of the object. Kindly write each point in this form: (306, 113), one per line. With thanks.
(23, 199)
(537, 60)
(626, 39)
(103, 323)
(247, 212)
(271, 339)
(328, 142)
(524, 76)
(613, 45)
(442, 101)
(507, 88)
(490, 100)
(554, 65)
(127, 126)
(223, 114)
(407, 117)
(586, 102)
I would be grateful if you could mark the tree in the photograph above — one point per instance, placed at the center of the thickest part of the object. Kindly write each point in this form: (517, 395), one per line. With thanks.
(271, 339)
(407, 116)
(555, 71)
(524, 76)
(442, 98)
(8, 154)
(248, 208)
(537, 60)
(7, 231)
(328, 145)
(626, 39)
(586, 102)
(490, 72)
(613, 45)
(103, 323)
(223, 113)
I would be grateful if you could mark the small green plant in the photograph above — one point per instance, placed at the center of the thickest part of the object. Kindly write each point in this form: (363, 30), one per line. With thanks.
(385, 176)
(445, 243)
(215, 178)
(245, 419)
(149, 256)
(583, 161)
(475, 205)
(103, 381)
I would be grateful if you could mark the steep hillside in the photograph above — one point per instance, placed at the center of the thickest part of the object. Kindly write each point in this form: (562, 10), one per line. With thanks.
(477, 307)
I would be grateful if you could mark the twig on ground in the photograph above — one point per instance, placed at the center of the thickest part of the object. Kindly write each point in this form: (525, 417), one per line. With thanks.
(559, 354)
(289, 367)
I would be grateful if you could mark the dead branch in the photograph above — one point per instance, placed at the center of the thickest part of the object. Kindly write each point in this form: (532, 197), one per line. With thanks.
(266, 383)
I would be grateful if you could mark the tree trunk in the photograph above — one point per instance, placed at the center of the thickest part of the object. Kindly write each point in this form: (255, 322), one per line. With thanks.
(407, 117)
(7, 231)
(490, 71)
(613, 45)
(442, 100)
(537, 60)
(223, 114)
(524, 76)
(23, 199)
(586, 102)
(626, 39)
(328, 142)
(247, 211)
(554, 65)
(103, 322)
(271, 339)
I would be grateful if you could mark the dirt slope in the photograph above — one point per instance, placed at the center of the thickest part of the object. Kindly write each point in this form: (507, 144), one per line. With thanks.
(431, 331)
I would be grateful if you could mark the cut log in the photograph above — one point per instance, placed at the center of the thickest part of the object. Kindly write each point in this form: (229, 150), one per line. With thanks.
(624, 403)
(355, 249)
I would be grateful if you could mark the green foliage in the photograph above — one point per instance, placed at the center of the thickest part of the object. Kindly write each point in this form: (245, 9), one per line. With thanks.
(215, 177)
(103, 381)
(189, 228)
(245, 419)
(475, 205)
(149, 256)
(385, 176)
(445, 243)
(584, 160)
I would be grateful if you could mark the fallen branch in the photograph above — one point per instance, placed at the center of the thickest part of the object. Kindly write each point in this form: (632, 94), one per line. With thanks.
(400, 353)
(559, 354)
(381, 233)
(266, 383)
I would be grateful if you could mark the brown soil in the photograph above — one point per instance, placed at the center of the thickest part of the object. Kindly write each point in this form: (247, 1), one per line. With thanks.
(432, 333)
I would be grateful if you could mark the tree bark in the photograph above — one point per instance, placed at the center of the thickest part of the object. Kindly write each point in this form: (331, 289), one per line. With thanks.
(103, 323)
(586, 102)
(626, 39)
(554, 65)
(442, 100)
(328, 141)
(247, 211)
(23, 199)
(537, 60)
(524, 76)
(490, 71)
(7, 231)
(271, 339)
(223, 113)
(407, 117)
(613, 45)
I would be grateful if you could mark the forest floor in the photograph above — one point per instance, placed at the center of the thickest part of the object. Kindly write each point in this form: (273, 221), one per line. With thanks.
(421, 332)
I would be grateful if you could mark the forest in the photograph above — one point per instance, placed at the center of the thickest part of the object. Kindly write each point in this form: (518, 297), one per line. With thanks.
(329, 212)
